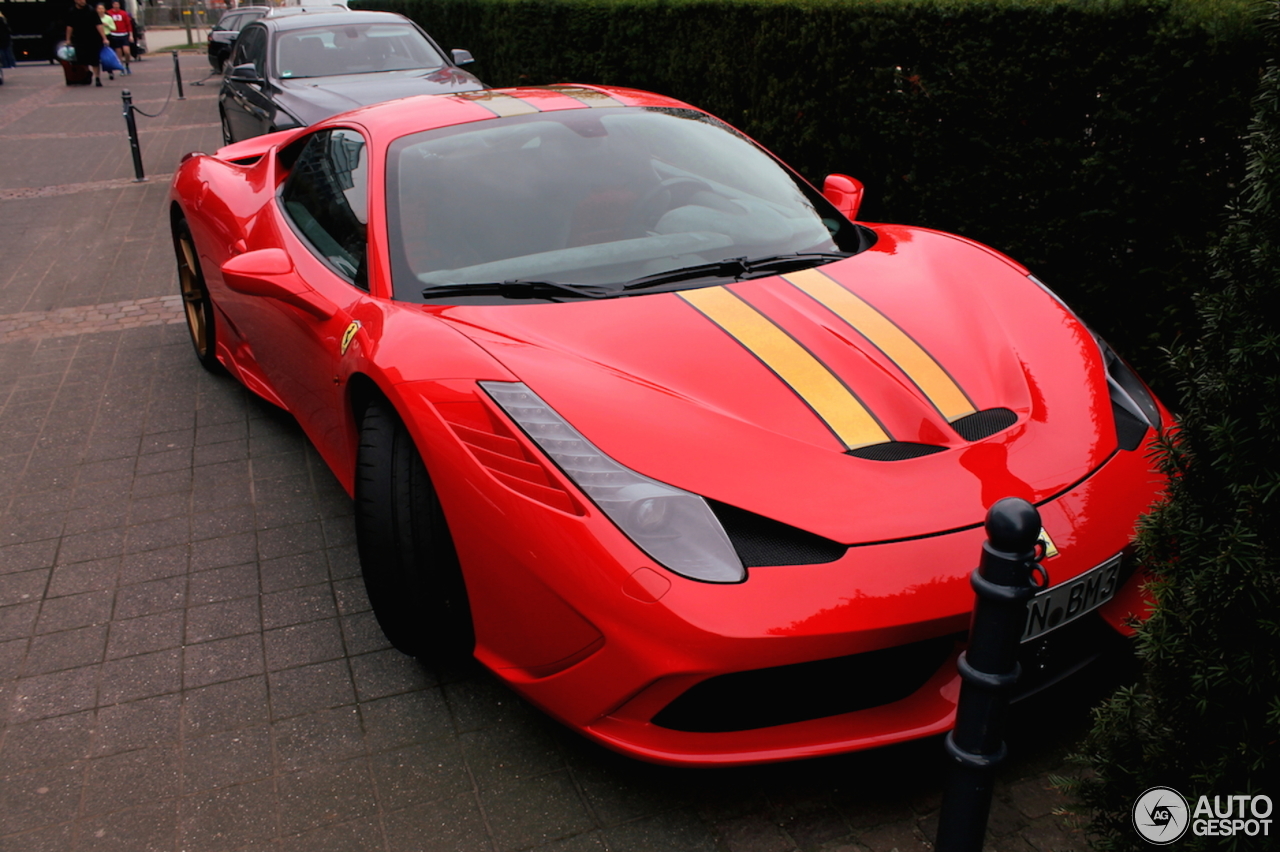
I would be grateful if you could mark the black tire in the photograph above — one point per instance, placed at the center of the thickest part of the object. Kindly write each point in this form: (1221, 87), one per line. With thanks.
(226, 127)
(410, 567)
(195, 298)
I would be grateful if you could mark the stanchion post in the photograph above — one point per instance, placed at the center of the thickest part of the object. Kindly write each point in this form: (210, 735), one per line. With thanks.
(989, 670)
(177, 72)
(132, 125)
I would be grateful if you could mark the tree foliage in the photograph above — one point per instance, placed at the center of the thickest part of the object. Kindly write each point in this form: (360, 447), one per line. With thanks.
(1205, 719)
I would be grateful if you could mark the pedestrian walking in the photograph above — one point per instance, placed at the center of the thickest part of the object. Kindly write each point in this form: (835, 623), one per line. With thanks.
(6, 45)
(122, 38)
(87, 36)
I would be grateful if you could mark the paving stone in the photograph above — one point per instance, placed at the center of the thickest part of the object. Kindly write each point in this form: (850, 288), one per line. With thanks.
(149, 828)
(535, 812)
(454, 824)
(138, 724)
(141, 676)
(305, 689)
(73, 611)
(224, 619)
(40, 798)
(325, 795)
(227, 758)
(300, 644)
(384, 673)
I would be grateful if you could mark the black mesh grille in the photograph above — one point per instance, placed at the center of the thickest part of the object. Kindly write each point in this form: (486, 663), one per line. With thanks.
(761, 541)
(983, 424)
(895, 451)
(743, 701)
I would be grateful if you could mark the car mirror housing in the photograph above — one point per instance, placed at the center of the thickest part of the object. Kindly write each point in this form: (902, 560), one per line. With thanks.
(246, 73)
(845, 193)
(270, 273)
(462, 57)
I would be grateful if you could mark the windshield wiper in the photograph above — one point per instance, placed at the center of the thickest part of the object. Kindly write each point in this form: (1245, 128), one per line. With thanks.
(775, 263)
(737, 268)
(519, 288)
(733, 267)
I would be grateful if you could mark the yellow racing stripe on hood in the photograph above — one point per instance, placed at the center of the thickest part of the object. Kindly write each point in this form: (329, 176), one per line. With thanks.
(811, 380)
(898, 346)
(500, 104)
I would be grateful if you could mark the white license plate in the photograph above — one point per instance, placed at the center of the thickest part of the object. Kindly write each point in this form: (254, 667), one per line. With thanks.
(1066, 602)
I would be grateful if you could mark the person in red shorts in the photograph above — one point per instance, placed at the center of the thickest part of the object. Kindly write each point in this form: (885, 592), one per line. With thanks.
(123, 35)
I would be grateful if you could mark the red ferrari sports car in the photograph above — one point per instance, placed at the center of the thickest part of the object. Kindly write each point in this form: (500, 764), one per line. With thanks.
(676, 446)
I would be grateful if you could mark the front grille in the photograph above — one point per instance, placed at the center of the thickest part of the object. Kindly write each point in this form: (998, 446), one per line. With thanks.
(761, 541)
(761, 698)
(984, 424)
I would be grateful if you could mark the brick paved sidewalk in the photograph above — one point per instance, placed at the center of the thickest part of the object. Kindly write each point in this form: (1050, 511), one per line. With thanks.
(187, 657)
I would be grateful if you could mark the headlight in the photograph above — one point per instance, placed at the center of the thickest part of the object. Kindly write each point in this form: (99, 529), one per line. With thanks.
(676, 528)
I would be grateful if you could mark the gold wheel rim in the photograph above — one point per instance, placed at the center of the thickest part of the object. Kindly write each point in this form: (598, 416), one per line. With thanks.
(193, 296)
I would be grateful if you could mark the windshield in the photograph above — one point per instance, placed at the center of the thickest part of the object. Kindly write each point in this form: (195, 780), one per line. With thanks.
(601, 196)
(353, 49)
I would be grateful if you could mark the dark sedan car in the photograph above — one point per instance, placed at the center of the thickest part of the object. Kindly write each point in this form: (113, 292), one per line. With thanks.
(292, 71)
(222, 38)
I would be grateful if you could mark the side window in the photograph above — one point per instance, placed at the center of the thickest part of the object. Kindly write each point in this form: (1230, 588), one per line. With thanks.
(325, 196)
(251, 46)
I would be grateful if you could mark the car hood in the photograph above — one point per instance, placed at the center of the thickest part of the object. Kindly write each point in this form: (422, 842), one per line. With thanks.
(312, 99)
(722, 390)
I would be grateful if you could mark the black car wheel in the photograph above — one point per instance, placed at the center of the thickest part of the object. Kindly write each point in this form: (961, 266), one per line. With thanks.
(195, 297)
(410, 567)
(226, 127)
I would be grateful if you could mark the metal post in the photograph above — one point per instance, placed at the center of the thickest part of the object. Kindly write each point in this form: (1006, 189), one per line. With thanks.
(988, 670)
(186, 19)
(127, 98)
(177, 72)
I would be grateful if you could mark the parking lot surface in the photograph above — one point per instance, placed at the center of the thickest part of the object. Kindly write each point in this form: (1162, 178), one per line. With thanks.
(187, 657)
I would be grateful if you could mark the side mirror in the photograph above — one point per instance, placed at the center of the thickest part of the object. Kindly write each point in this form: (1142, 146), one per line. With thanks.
(269, 273)
(462, 57)
(845, 193)
(245, 73)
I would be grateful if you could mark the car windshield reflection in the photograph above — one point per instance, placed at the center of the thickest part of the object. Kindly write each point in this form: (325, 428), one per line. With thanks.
(592, 196)
(353, 49)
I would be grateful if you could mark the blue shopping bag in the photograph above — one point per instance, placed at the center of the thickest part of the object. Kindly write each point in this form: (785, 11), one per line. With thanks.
(109, 61)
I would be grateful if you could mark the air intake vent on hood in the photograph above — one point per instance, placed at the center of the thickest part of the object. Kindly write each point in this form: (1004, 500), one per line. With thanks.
(983, 424)
(895, 451)
(761, 541)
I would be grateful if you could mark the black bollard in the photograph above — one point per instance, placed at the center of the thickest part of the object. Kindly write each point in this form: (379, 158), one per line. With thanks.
(127, 98)
(177, 73)
(989, 670)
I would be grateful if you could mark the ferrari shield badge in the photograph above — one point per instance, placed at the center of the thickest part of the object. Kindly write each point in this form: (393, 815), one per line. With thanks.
(349, 335)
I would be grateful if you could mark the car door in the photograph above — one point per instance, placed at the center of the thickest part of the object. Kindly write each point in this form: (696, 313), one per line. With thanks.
(321, 214)
(247, 104)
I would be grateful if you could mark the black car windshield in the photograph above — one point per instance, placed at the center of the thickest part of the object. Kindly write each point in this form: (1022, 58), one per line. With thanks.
(353, 49)
(600, 196)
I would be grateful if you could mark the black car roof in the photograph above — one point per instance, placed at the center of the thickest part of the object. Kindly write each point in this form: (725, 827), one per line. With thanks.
(302, 21)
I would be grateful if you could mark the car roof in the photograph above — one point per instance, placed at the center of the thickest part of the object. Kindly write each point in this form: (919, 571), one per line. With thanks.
(313, 16)
(405, 116)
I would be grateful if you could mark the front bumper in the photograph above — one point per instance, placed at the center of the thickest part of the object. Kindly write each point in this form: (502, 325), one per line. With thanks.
(584, 625)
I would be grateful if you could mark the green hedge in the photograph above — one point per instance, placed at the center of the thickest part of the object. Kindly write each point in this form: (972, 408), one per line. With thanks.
(1098, 141)
(1205, 717)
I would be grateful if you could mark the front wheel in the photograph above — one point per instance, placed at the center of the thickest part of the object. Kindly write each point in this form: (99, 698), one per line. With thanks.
(195, 298)
(410, 567)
